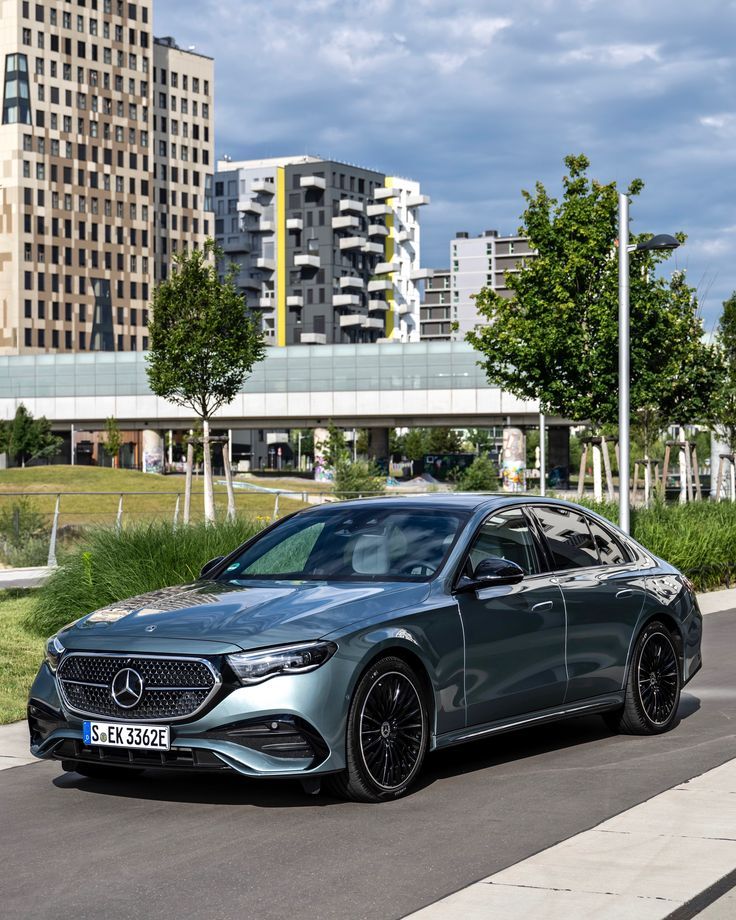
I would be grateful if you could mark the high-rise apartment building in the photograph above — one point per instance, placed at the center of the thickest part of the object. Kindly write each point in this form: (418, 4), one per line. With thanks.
(327, 252)
(475, 262)
(82, 210)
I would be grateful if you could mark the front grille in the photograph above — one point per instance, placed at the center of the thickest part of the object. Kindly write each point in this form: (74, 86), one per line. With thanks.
(173, 688)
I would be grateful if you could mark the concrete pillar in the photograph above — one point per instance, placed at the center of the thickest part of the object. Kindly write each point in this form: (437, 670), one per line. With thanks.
(321, 474)
(378, 440)
(152, 448)
(716, 449)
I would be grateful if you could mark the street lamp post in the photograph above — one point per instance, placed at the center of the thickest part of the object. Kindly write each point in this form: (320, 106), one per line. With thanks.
(661, 241)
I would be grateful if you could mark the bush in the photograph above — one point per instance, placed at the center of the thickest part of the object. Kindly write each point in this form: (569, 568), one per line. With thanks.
(354, 479)
(23, 535)
(35, 551)
(480, 476)
(110, 565)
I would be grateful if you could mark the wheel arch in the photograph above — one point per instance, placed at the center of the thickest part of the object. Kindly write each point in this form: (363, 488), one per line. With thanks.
(674, 627)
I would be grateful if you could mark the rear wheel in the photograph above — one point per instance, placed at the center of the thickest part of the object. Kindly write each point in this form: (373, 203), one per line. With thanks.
(387, 734)
(99, 770)
(652, 687)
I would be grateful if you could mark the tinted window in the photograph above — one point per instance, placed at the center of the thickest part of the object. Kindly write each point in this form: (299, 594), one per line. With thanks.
(351, 543)
(610, 550)
(568, 536)
(505, 534)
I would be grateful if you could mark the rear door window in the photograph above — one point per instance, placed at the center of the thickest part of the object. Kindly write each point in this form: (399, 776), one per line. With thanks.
(568, 536)
(609, 549)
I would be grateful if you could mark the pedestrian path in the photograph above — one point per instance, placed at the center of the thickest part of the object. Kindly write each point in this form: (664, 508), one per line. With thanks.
(14, 746)
(30, 577)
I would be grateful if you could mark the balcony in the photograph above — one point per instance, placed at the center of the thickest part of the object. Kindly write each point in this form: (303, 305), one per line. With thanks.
(347, 205)
(345, 222)
(383, 268)
(267, 264)
(251, 284)
(266, 303)
(266, 226)
(307, 260)
(294, 223)
(352, 242)
(249, 206)
(374, 322)
(262, 187)
(405, 236)
(422, 274)
(378, 210)
(353, 319)
(313, 338)
(416, 201)
(376, 305)
(381, 194)
(295, 300)
(376, 285)
(377, 230)
(375, 249)
(403, 308)
(345, 300)
(317, 182)
(349, 281)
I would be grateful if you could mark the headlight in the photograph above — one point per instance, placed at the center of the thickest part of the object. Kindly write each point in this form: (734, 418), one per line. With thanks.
(54, 651)
(254, 667)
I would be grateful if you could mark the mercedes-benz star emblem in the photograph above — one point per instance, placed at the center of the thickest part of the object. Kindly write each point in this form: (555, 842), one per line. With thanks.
(127, 688)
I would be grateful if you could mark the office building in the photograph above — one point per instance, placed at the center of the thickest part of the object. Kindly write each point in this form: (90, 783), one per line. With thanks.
(475, 263)
(327, 252)
(88, 201)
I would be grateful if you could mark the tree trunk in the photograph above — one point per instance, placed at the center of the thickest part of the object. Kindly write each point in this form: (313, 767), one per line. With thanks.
(188, 482)
(209, 498)
(229, 482)
(597, 478)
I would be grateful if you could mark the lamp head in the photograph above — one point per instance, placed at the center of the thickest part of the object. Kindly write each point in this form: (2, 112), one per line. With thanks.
(660, 241)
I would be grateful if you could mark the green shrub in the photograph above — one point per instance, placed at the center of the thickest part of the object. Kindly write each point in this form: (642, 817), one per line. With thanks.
(354, 479)
(35, 551)
(110, 565)
(480, 476)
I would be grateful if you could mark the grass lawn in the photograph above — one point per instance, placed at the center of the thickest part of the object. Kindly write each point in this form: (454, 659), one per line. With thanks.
(20, 655)
(48, 481)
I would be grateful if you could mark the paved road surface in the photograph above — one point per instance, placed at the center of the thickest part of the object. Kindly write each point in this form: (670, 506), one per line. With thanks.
(226, 848)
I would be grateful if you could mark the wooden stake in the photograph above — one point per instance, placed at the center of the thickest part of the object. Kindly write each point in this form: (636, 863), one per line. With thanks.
(188, 482)
(719, 480)
(636, 482)
(696, 474)
(609, 474)
(581, 477)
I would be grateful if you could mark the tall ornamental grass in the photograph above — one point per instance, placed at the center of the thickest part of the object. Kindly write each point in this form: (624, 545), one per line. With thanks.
(110, 565)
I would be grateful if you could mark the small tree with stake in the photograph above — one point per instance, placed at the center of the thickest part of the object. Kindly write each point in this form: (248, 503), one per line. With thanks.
(203, 342)
(113, 440)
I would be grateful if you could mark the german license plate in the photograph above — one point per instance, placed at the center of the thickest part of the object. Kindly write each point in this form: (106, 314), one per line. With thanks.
(117, 734)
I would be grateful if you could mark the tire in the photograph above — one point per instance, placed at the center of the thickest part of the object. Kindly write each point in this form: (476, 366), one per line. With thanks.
(387, 734)
(653, 685)
(99, 771)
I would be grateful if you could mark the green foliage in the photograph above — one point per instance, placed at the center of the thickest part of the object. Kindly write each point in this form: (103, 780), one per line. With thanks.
(416, 443)
(20, 655)
(557, 339)
(480, 440)
(480, 476)
(724, 408)
(20, 521)
(334, 448)
(203, 341)
(111, 565)
(25, 438)
(444, 441)
(113, 439)
(359, 478)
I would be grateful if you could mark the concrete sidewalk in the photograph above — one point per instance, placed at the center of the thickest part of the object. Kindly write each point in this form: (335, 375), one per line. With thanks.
(30, 577)
(14, 746)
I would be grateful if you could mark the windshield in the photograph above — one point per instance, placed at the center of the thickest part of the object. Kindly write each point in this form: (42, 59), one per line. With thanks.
(351, 544)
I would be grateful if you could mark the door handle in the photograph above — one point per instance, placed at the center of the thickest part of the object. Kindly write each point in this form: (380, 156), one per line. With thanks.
(542, 605)
(624, 592)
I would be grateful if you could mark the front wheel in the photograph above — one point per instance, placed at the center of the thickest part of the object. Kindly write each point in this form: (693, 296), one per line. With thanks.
(652, 686)
(387, 734)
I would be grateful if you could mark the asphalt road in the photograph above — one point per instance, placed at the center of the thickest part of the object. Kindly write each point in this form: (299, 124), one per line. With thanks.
(225, 848)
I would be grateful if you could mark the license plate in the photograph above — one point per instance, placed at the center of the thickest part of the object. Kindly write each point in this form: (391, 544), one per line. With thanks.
(116, 734)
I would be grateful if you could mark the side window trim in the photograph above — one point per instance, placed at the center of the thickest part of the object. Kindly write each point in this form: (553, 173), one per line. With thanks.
(542, 562)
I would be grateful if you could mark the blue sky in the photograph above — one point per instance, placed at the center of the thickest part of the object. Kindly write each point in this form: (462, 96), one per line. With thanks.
(479, 99)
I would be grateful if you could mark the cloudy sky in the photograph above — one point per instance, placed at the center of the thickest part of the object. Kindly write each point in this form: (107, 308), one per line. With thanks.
(479, 99)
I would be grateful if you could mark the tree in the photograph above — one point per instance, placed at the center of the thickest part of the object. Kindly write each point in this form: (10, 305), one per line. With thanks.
(480, 476)
(354, 479)
(416, 443)
(724, 408)
(444, 441)
(113, 440)
(203, 342)
(557, 339)
(334, 449)
(25, 438)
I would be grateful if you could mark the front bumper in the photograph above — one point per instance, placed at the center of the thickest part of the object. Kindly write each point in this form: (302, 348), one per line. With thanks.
(288, 726)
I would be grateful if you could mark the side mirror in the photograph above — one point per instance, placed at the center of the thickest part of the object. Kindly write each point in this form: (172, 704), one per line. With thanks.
(208, 566)
(490, 573)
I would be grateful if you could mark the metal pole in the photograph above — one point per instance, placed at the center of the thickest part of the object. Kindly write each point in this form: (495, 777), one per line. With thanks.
(72, 445)
(623, 362)
(51, 561)
(542, 456)
(119, 519)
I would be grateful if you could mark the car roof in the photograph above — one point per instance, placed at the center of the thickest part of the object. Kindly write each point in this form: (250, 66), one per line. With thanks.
(448, 501)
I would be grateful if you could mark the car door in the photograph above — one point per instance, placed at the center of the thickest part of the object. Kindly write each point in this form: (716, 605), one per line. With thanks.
(514, 634)
(603, 595)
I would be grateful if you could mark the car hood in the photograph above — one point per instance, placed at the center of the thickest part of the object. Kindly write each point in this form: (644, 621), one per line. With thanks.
(217, 615)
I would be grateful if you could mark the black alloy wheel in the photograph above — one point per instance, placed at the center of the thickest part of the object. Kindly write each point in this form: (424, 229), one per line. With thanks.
(387, 734)
(652, 686)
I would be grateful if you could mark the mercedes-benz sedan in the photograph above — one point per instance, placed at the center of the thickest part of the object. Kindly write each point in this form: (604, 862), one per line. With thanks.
(344, 642)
